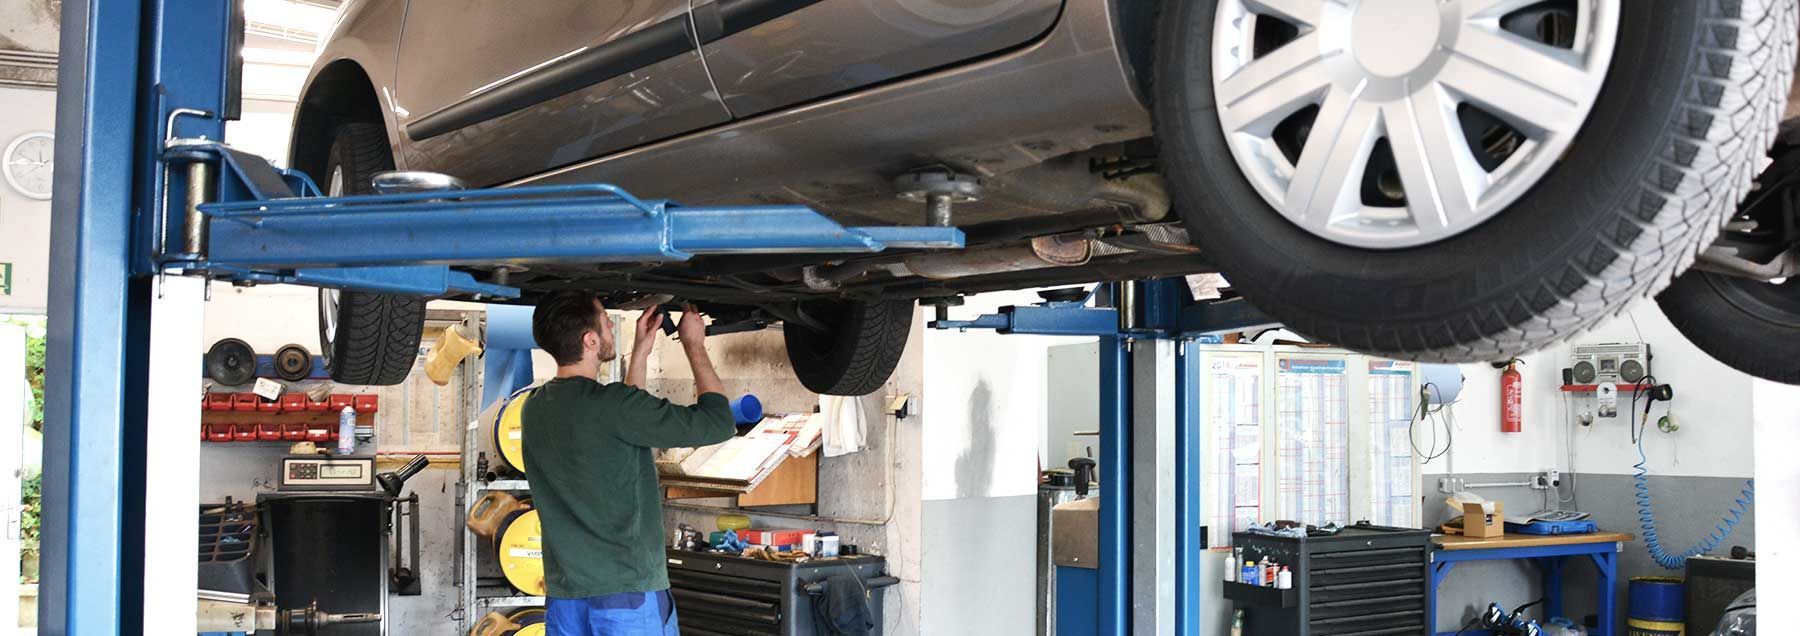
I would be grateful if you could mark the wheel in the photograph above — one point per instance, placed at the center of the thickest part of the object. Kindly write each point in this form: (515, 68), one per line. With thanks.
(855, 352)
(366, 338)
(1462, 180)
(1750, 325)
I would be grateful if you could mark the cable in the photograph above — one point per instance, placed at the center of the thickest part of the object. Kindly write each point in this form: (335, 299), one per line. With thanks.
(1647, 514)
(1425, 411)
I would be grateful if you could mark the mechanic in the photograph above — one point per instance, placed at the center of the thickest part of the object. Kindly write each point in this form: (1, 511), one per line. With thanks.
(593, 476)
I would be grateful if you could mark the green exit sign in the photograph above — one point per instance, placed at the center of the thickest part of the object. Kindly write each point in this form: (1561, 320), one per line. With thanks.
(5, 279)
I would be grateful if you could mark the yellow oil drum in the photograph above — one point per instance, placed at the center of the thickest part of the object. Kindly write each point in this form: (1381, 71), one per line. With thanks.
(509, 429)
(531, 630)
(521, 553)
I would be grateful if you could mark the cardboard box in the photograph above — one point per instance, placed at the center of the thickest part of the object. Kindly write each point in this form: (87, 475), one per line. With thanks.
(1483, 525)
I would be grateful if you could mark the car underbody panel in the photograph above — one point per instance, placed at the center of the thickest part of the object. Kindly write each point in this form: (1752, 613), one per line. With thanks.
(1047, 162)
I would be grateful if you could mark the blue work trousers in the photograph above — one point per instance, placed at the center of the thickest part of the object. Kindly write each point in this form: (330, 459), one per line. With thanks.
(623, 614)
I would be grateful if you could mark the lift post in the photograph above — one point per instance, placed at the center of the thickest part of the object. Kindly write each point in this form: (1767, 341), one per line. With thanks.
(146, 190)
(1150, 441)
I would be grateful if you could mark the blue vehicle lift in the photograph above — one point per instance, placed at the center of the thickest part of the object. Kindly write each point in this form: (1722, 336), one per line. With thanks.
(145, 190)
(1150, 439)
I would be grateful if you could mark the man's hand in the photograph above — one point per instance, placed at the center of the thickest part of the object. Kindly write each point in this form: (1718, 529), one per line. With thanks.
(692, 328)
(693, 342)
(647, 325)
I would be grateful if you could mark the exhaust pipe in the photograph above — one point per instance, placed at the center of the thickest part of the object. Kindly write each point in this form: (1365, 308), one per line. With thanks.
(1064, 250)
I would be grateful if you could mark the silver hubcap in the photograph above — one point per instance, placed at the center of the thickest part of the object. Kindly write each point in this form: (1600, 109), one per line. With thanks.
(1398, 123)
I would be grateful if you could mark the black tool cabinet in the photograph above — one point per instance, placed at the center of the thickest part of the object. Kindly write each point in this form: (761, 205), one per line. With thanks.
(726, 595)
(1365, 580)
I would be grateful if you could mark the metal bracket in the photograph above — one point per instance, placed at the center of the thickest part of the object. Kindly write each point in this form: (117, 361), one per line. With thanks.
(1075, 318)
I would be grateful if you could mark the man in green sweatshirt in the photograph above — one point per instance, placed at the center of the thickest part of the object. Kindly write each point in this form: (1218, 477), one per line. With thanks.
(589, 446)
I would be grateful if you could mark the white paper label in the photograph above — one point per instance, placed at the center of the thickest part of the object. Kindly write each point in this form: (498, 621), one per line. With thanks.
(268, 389)
(526, 553)
(514, 434)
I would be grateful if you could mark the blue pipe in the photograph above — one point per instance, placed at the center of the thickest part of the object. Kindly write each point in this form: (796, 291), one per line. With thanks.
(1647, 518)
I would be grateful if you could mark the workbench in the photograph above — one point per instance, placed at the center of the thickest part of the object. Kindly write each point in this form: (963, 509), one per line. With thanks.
(1547, 552)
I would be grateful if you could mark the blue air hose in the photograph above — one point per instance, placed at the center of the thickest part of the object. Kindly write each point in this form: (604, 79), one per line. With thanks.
(1647, 518)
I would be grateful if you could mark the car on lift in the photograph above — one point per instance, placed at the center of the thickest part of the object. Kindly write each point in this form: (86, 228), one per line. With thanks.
(1449, 180)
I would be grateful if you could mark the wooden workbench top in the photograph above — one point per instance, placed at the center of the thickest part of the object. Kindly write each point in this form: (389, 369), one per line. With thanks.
(1459, 542)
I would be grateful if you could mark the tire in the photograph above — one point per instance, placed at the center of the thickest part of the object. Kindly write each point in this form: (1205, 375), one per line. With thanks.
(1690, 102)
(1749, 325)
(376, 336)
(857, 352)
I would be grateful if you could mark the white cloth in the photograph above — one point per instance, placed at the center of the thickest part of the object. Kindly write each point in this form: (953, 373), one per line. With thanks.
(846, 426)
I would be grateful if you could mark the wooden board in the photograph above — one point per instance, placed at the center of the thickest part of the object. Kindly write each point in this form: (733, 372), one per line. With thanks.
(795, 481)
(1449, 542)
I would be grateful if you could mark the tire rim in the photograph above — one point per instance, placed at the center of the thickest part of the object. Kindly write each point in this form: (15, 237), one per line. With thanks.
(1400, 123)
(328, 298)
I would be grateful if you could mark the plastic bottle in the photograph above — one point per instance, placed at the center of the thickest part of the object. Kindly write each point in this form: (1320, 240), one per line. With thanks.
(346, 442)
(1284, 580)
(1248, 575)
(1268, 573)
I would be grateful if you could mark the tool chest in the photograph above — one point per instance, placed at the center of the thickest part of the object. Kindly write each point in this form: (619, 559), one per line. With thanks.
(720, 594)
(1365, 580)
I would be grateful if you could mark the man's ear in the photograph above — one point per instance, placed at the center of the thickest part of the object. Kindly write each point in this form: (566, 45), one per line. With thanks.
(590, 339)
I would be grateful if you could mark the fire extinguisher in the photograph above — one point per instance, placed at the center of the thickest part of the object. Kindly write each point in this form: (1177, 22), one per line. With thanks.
(1512, 394)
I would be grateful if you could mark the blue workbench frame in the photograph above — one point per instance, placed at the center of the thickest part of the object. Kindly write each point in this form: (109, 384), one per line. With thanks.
(1549, 560)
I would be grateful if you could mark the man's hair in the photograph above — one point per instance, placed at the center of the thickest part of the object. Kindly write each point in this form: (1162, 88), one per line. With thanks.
(559, 322)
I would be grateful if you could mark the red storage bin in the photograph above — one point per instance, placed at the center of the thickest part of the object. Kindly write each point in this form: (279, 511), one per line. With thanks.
(268, 432)
(320, 406)
(293, 402)
(216, 401)
(268, 406)
(218, 432)
(293, 432)
(340, 400)
(243, 432)
(365, 402)
(246, 402)
(325, 434)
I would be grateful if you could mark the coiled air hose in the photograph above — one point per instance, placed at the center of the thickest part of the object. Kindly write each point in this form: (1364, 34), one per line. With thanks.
(1647, 518)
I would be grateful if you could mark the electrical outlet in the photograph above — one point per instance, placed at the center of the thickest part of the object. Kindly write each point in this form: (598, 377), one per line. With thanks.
(1546, 480)
(1450, 485)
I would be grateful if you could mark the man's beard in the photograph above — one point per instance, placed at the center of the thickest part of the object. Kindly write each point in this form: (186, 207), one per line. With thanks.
(608, 354)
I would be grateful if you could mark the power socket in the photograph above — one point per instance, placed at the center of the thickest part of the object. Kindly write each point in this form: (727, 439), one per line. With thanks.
(1546, 480)
(1451, 485)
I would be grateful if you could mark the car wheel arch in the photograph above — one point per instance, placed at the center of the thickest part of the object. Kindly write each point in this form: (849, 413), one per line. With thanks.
(337, 93)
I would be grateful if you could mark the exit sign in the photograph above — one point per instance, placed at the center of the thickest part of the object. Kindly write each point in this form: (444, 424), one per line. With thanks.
(5, 279)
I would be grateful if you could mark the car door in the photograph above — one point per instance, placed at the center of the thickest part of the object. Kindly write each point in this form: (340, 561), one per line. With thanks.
(490, 91)
(767, 54)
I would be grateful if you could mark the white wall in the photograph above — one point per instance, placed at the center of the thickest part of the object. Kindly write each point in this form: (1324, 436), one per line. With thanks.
(1712, 405)
(25, 222)
(1777, 414)
(986, 401)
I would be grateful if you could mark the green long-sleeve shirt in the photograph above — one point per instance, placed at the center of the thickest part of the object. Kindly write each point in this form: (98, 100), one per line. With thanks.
(593, 479)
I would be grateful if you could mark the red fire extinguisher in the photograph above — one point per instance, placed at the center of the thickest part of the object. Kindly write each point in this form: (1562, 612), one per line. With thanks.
(1512, 393)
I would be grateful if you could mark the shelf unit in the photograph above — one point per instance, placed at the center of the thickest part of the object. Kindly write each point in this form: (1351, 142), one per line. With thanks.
(476, 599)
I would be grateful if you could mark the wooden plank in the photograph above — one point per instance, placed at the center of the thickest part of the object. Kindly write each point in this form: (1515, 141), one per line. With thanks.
(795, 481)
(1449, 542)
